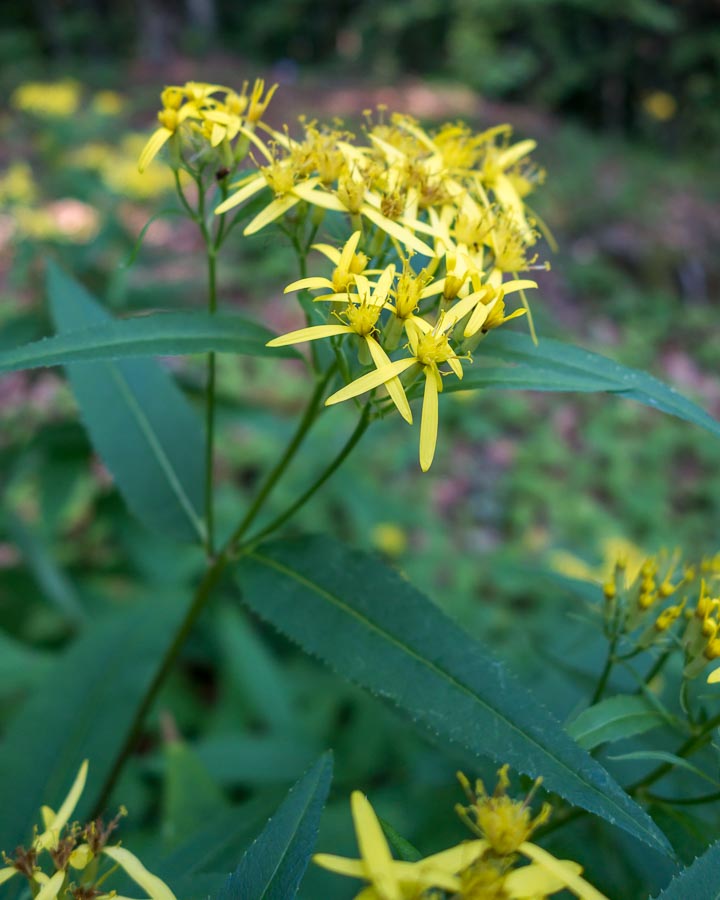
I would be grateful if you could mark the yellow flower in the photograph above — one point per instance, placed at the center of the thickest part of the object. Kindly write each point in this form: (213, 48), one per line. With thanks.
(388, 879)
(505, 823)
(108, 103)
(55, 99)
(361, 318)
(76, 847)
(660, 105)
(348, 264)
(471, 870)
(430, 348)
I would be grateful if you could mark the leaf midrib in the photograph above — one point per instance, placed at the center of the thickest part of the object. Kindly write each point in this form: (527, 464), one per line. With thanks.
(332, 598)
(157, 449)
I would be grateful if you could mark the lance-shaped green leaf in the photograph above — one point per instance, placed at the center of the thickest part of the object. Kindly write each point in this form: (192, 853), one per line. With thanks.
(139, 422)
(84, 709)
(556, 366)
(373, 627)
(699, 881)
(273, 866)
(614, 719)
(157, 334)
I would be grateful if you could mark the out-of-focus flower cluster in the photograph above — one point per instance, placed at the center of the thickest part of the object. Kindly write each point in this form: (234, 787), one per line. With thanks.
(437, 231)
(79, 858)
(662, 599)
(487, 868)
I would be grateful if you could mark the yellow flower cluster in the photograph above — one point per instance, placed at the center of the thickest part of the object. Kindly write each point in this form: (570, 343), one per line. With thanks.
(439, 231)
(482, 869)
(47, 99)
(442, 218)
(662, 591)
(196, 117)
(75, 855)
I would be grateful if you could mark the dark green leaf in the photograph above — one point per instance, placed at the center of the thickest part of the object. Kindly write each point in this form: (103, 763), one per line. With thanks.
(190, 793)
(159, 334)
(700, 881)
(273, 866)
(51, 579)
(83, 710)
(375, 628)
(614, 719)
(139, 422)
(402, 847)
(556, 366)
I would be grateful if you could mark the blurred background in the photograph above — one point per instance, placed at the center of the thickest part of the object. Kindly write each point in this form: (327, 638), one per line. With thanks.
(622, 98)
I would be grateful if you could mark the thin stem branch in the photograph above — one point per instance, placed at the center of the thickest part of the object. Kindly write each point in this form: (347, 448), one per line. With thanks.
(229, 553)
(210, 411)
(348, 447)
(279, 468)
(605, 675)
(689, 747)
(202, 595)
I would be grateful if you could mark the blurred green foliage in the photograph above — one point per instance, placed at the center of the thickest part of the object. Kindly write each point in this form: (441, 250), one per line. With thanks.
(629, 66)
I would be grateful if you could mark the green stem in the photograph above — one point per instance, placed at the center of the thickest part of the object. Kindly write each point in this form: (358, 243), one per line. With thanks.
(684, 801)
(229, 553)
(210, 412)
(280, 520)
(202, 595)
(658, 665)
(279, 468)
(689, 747)
(183, 199)
(609, 663)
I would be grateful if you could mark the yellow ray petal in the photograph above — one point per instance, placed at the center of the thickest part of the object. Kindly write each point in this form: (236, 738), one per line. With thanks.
(7, 873)
(456, 366)
(353, 868)
(457, 858)
(429, 421)
(510, 156)
(155, 143)
(714, 676)
(248, 190)
(151, 884)
(311, 283)
(371, 380)
(401, 234)
(319, 198)
(254, 139)
(571, 880)
(529, 882)
(218, 133)
(332, 253)
(348, 251)
(272, 211)
(49, 837)
(477, 319)
(313, 333)
(373, 847)
(518, 284)
(52, 887)
(393, 386)
(511, 201)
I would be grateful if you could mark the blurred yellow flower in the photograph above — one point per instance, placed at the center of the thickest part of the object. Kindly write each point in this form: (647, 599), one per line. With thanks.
(52, 99)
(17, 184)
(390, 538)
(660, 106)
(108, 103)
